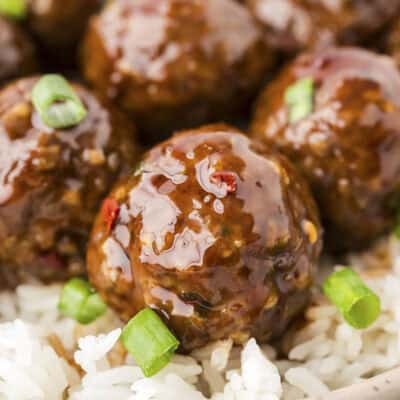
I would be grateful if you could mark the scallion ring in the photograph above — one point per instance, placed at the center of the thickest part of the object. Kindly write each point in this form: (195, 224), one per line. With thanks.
(149, 341)
(57, 103)
(79, 301)
(358, 304)
(15, 9)
(299, 99)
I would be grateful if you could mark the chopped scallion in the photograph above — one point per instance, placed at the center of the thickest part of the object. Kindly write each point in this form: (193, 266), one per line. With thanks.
(358, 304)
(57, 103)
(149, 341)
(299, 99)
(15, 9)
(79, 301)
(93, 308)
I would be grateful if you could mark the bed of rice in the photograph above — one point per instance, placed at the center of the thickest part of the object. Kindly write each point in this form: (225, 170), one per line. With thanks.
(45, 356)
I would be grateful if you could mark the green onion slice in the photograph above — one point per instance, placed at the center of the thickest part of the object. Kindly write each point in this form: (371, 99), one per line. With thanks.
(15, 9)
(358, 304)
(149, 341)
(79, 301)
(57, 103)
(299, 99)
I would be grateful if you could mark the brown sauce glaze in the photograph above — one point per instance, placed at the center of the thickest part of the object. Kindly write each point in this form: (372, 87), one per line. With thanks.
(58, 26)
(293, 25)
(17, 52)
(392, 41)
(175, 63)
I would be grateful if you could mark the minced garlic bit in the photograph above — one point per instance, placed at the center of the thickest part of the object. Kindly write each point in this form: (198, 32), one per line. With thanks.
(120, 193)
(20, 110)
(272, 300)
(94, 156)
(280, 171)
(310, 230)
(147, 239)
(238, 243)
(72, 198)
(113, 161)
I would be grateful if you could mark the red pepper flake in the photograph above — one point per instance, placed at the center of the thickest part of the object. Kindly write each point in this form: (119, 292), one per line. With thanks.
(229, 178)
(110, 212)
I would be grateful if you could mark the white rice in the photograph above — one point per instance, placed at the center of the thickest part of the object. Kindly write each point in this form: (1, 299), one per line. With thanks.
(44, 356)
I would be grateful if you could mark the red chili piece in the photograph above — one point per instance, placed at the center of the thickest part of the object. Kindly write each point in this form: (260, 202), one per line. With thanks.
(229, 178)
(110, 212)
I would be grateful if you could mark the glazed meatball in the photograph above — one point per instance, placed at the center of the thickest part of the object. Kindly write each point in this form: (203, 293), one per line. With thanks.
(175, 63)
(292, 25)
(348, 146)
(59, 24)
(218, 234)
(52, 181)
(17, 54)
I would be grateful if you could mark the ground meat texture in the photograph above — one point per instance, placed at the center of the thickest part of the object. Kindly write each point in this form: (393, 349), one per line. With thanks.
(292, 25)
(349, 146)
(52, 181)
(17, 53)
(175, 63)
(217, 233)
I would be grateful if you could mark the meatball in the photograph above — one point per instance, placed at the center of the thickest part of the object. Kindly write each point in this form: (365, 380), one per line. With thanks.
(217, 233)
(52, 181)
(292, 25)
(348, 146)
(175, 64)
(59, 23)
(17, 54)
